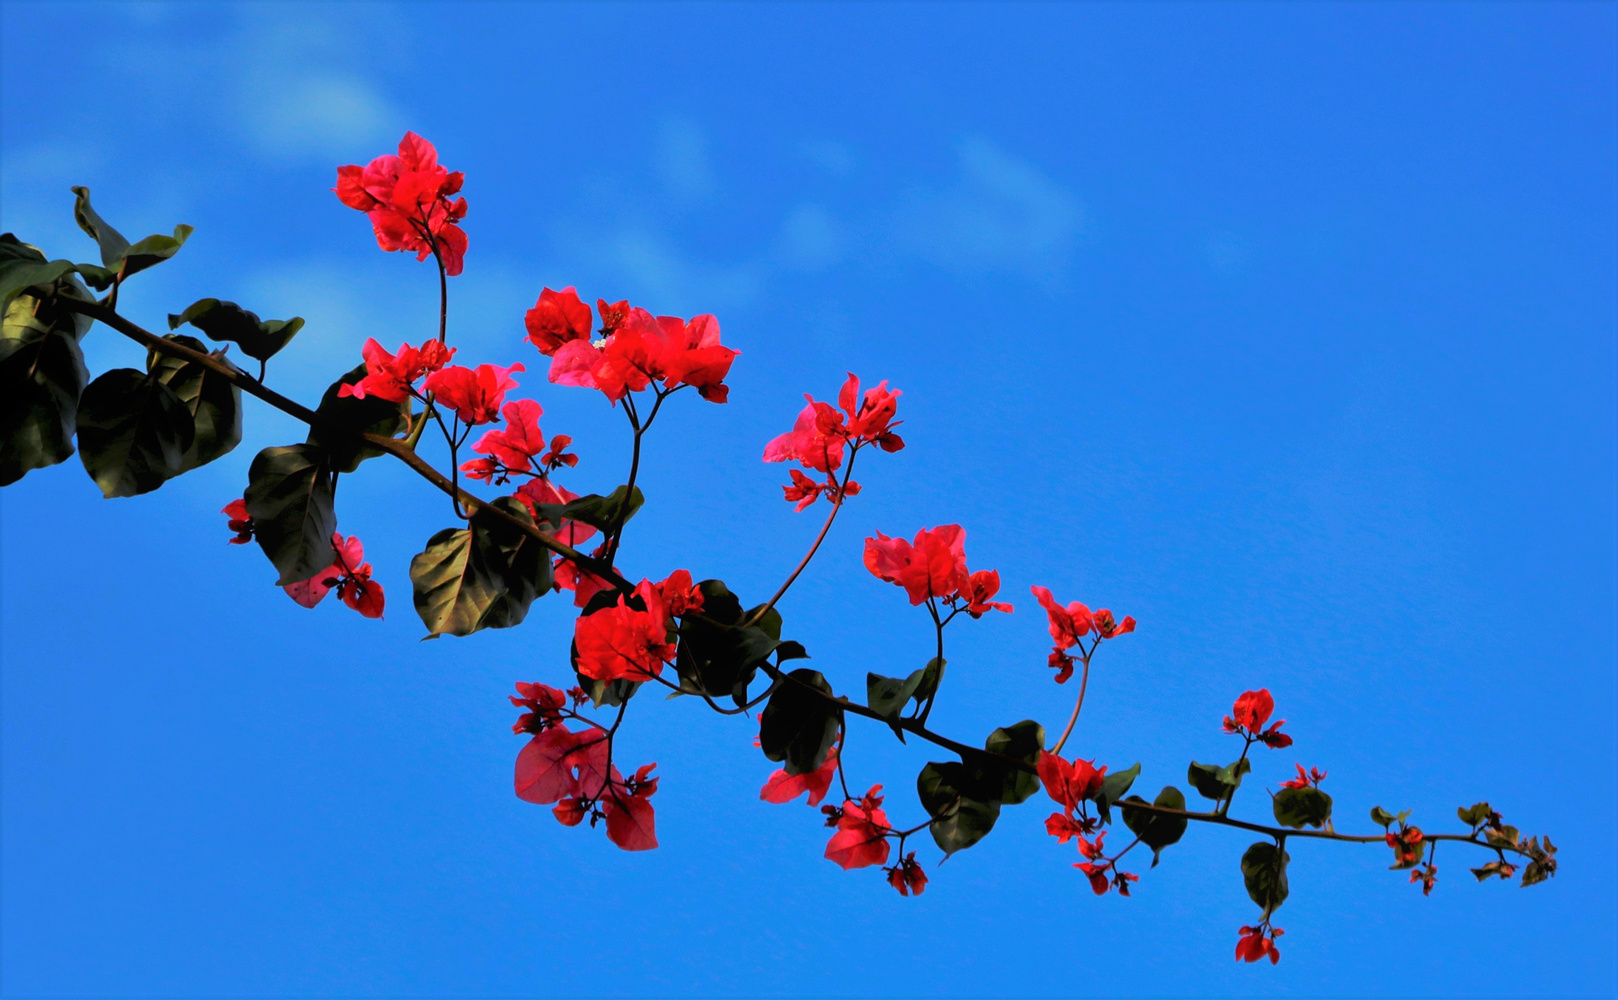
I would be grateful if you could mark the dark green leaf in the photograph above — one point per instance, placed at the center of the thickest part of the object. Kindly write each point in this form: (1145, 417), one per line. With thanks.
(1502, 836)
(111, 241)
(798, 726)
(931, 676)
(603, 511)
(790, 650)
(1022, 741)
(1113, 788)
(133, 433)
(259, 339)
(770, 621)
(1381, 817)
(1215, 782)
(348, 417)
(117, 255)
(214, 402)
(1154, 830)
(23, 267)
(717, 655)
(962, 814)
(1494, 869)
(888, 696)
(290, 494)
(1264, 870)
(482, 576)
(1476, 816)
(1301, 807)
(42, 376)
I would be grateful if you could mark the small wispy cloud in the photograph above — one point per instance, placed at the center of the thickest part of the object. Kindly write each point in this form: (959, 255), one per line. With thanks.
(1001, 214)
(316, 116)
(682, 159)
(811, 238)
(640, 263)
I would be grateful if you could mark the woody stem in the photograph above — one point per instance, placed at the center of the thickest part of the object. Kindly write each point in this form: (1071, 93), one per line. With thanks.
(1084, 682)
(836, 505)
(393, 446)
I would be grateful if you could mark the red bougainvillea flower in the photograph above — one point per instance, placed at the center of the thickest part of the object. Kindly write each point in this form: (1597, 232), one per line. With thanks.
(613, 315)
(1096, 866)
(390, 376)
(816, 439)
(1406, 846)
(239, 522)
(803, 490)
(1427, 876)
(1254, 944)
(783, 787)
(1062, 664)
(934, 565)
(678, 595)
(558, 763)
(544, 707)
(631, 823)
(1305, 779)
(907, 876)
(643, 349)
(621, 642)
(558, 456)
(981, 587)
(362, 593)
(1069, 784)
(512, 446)
(584, 585)
(1250, 713)
(862, 829)
(349, 573)
(557, 318)
(871, 420)
(407, 198)
(569, 811)
(1108, 627)
(819, 435)
(1067, 625)
(1064, 828)
(474, 394)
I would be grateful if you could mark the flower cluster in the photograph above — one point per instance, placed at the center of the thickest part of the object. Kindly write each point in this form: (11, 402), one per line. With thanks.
(1248, 716)
(635, 348)
(518, 448)
(1407, 847)
(907, 876)
(239, 521)
(393, 376)
(473, 394)
(821, 433)
(933, 567)
(1070, 785)
(861, 839)
(574, 770)
(1305, 779)
(1259, 942)
(1097, 866)
(349, 573)
(632, 639)
(783, 787)
(407, 198)
(1071, 625)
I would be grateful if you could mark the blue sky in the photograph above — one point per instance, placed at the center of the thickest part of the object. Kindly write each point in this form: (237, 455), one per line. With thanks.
(1288, 330)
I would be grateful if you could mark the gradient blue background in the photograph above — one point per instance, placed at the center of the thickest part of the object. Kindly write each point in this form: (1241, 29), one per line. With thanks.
(1287, 329)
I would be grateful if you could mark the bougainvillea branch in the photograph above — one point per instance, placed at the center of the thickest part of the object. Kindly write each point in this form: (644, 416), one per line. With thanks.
(135, 430)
